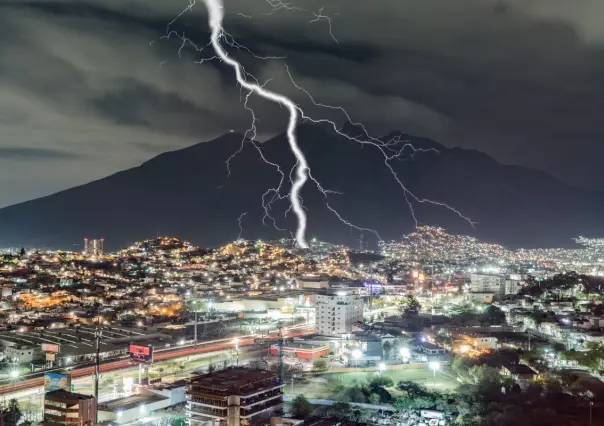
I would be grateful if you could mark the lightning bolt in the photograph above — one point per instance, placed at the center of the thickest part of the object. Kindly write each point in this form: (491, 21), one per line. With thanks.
(240, 223)
(391, 150)
(216, 17)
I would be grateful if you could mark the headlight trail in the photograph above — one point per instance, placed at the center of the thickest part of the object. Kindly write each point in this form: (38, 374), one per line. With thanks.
(390, 150)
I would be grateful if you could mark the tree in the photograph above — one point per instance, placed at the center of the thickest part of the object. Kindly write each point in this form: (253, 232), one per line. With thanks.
(301, 408)
(409, 306)
(386, 349)
(319, 366)
(380, 381)
(494, 315)
(12, 413)
(396, 347)
(355, 394)
(374, 398)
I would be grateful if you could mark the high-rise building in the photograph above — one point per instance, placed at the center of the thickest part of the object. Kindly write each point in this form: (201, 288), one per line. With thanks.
(337, 310)
(235, 396)
(69, 409)
(93, 247)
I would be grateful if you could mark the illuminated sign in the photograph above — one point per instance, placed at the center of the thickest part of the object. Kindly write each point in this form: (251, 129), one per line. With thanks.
(55, 381)
(50, 347)
(141, 353)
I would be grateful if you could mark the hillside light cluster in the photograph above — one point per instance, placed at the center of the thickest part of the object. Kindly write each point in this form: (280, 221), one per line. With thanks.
(391, 150)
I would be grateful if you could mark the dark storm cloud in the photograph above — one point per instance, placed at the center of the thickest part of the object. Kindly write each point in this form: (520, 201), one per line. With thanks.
(16, 153)
(93, 78)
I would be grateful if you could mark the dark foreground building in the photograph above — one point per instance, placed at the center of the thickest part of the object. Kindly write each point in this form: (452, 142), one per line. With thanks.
(236, 396)
(69, 409)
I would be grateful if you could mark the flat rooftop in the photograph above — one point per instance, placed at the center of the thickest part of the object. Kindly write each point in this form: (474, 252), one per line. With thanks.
(63, 394)
(304, 345)
(129, 402)
(234, 381)
(74, 341)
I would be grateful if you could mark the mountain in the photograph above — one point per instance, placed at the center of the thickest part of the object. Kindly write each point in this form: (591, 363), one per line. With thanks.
(187, 193)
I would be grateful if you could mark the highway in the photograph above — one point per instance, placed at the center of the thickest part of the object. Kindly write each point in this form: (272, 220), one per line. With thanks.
(35, 381)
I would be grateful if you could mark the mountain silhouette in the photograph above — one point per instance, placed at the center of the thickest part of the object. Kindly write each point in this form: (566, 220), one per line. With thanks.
(189, 193)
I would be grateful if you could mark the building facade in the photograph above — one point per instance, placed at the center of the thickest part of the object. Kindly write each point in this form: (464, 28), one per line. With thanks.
(337, 310)
(20, 354)
(236, 396)
(93, 247)
(497, 285)
(69, 409)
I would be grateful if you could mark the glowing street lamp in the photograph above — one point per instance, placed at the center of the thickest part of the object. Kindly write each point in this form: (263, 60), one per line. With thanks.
(356, 354)
(14, 374)
(381, 367)
(236, 342)
(405, 354)
(434, 366)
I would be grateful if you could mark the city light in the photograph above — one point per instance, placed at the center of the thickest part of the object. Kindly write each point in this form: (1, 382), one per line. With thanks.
(356, 354)
(382, 366)
(14, 374)
(405, 353)
(434, 365)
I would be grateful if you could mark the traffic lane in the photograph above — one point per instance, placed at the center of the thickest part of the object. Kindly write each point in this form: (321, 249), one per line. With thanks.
(117, 365)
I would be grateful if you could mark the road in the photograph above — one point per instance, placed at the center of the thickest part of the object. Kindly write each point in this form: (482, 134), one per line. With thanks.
(36, 383)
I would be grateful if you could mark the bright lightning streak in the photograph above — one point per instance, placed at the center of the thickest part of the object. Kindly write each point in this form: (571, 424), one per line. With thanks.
(391, 150)
(240, 223)
(216, 16)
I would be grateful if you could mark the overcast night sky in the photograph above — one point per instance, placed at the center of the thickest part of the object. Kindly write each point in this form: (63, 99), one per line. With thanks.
(88, 87)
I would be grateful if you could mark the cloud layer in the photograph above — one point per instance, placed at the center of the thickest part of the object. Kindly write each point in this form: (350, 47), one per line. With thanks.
(88, 87)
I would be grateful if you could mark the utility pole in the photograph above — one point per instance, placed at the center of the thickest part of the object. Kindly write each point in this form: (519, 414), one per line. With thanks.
(280, 343)
(97, 363)
(195, 326)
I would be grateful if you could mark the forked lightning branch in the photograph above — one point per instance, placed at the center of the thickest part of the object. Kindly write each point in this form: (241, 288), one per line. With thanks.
(391, 150)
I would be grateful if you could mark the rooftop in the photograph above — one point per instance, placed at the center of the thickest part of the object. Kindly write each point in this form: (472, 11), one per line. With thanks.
(129, 402)
(234, 381)
(63, 394)
(520, 369)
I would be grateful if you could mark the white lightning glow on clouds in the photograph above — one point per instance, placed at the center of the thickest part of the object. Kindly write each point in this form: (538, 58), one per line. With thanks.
(391, 150)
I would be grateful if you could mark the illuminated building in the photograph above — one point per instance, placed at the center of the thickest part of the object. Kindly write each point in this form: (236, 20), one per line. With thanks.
(497, 285)
(93, 247)
(235, 396)
(68, 408)
(337, 310)
(303, 350)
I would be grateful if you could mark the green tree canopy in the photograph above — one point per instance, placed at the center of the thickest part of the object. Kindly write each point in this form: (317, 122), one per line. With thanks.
(301, 407)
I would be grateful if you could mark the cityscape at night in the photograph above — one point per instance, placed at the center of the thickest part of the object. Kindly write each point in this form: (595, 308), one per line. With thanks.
(301, 213)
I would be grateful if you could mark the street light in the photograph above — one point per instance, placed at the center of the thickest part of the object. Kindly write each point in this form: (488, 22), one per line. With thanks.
(356, 354)
(382, 367)
(405, 353)
(14, 374)
(236, 342)
(434, 366)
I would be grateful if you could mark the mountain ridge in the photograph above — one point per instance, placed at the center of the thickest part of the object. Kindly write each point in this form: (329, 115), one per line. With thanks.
(188, 193)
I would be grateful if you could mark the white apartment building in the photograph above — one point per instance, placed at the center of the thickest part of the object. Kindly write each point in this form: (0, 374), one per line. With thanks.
(497, 285)
(483, 283)
(337, 310)
(20, 354)
(512, 286)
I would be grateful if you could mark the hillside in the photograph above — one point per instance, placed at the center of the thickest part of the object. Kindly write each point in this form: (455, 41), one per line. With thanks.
(187, 193)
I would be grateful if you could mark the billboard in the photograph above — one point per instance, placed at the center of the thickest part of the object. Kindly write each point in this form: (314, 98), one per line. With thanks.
(141, 353)
(50, 347)
(55, 381)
